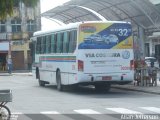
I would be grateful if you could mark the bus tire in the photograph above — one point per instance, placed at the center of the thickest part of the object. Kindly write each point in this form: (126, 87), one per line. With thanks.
(58, 80)
(5, 112)
(41, 83)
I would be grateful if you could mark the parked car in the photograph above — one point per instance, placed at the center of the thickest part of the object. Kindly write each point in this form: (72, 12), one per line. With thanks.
(148, 61)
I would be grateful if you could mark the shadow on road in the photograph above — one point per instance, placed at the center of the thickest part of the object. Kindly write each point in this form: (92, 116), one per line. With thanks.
(90, 91)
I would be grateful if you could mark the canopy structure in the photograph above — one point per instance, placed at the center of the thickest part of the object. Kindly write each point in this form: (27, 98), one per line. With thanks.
(139, 12)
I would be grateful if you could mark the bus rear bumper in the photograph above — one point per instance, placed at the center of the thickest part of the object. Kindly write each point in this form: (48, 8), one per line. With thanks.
(113, 79)
(105, 82)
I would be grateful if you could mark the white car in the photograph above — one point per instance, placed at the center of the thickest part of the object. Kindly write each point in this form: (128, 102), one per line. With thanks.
(148, 61)
(110, 39)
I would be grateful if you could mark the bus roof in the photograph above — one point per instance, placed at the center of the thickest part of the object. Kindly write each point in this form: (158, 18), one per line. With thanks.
(73, 26)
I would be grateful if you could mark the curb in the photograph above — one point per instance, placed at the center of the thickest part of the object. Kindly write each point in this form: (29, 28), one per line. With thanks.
(28, 74)
(21, 74)
(130, 89)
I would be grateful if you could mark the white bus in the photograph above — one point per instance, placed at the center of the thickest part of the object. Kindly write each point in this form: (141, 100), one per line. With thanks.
(87, 53)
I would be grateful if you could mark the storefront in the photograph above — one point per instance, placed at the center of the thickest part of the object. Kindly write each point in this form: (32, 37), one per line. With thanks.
(4, 48)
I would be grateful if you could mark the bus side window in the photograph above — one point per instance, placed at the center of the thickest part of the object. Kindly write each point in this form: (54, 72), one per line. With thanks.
(38, 45)
(41, 51)
(69, 35)
(65, 42)
(53, 43)
(62, 39)
(73, 41)
(59, 42)
(43, 44)
(48, 44)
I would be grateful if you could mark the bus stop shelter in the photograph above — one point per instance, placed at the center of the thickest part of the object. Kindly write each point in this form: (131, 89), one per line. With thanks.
(141, 13)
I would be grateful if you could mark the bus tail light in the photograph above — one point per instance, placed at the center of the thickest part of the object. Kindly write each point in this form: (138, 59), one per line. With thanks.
(132, 64)
(80, 65)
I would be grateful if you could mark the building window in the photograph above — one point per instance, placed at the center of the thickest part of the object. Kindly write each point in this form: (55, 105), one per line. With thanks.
(2, 27)
(16, 26)
(18, 42)
(31, 25)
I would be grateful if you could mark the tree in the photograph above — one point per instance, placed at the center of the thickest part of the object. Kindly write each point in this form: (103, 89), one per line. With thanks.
(6, 6)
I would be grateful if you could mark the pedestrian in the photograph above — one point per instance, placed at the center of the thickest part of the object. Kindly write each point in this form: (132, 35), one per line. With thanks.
(29, 63)
(159, 60)
(9, 65)
(152, 72)
(4, 65)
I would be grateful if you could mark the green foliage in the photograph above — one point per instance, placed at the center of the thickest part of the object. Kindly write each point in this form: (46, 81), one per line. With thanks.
(6, 6)
(31, 3)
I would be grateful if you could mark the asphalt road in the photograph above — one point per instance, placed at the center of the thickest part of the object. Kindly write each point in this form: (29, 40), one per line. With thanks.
(30, 99)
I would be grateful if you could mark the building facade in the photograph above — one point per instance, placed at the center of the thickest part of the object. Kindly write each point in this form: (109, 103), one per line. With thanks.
(15, 33)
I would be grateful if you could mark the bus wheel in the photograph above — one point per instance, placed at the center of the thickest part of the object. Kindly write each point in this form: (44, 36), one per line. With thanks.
(58, 79)
(41, 83)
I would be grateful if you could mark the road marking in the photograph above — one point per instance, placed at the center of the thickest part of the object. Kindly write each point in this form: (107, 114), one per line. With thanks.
(49, 112)
(153, 109)
(87, 111)
(16, 113)
(123, 111)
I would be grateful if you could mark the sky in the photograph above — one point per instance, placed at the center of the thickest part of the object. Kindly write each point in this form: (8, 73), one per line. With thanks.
(47, 5)
(155, 1)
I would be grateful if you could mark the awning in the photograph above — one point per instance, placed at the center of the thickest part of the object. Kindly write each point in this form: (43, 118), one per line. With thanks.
(4, 46)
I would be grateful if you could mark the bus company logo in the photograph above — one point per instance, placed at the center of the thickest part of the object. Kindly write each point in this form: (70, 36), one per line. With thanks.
(88, 29)
(100, 55)
(125, 54)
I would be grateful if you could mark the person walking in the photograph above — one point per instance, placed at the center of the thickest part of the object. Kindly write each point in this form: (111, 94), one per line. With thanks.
(159, 60)
(152, 72)
(9, 65)
(4, 65)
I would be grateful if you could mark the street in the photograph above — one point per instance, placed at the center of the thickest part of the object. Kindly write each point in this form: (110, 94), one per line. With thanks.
(30, 98)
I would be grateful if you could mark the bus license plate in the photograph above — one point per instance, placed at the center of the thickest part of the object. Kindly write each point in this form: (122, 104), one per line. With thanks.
(107, 78)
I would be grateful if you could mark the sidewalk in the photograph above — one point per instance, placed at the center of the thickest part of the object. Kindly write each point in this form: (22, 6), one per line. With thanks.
(145, 89)
(17, 72)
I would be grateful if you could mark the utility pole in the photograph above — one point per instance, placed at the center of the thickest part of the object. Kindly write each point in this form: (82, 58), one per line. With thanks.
(9, 36)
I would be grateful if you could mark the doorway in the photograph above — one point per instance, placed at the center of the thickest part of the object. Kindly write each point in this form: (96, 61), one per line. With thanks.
(3, 61)
(157, 50)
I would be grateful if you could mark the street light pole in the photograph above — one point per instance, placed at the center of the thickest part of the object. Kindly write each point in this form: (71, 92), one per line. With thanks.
(9, 41)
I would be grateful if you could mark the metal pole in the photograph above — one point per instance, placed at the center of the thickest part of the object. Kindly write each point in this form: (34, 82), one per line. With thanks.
(9, 41)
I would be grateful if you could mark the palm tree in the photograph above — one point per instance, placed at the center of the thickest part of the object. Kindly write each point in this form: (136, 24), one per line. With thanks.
(30, 2)
(6, 6)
